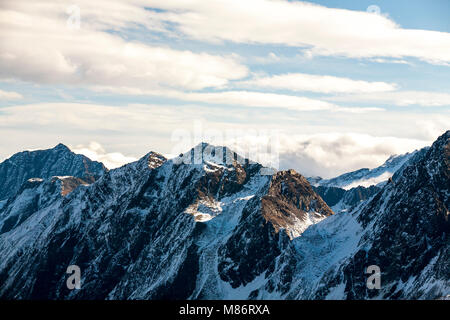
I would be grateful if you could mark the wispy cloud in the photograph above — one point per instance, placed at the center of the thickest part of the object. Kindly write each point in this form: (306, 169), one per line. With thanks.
(272, 100)
(317, 83)
(38, 46)
(246, 99)
(399, 98)
(331, 154)
(10, 95)
(312, 143)
(393, 61)
(324, 31)
(96, 152)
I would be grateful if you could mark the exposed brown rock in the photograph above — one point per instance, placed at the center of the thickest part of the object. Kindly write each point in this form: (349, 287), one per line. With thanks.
(155, 160)
(68, 184)
(290, 198)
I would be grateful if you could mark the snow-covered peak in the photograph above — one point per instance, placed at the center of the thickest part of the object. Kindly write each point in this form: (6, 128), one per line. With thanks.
(366, 177)
(205, 153)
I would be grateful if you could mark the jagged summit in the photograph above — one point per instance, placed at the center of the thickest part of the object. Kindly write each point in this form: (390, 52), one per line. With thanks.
(444, 136)
(211, 157)
(207, 153)
(61, 147)
(154, 159)
(442, 144)
(151, 160)
(291, 203)
(58, 161)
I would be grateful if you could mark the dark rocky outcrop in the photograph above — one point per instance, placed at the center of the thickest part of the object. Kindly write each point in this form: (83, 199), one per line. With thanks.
(44, 164)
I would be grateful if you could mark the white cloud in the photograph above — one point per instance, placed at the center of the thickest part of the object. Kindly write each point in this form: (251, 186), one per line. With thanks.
(10, 95)
(134, 130)
(317, 83)
(394, 61)
(399, 98)
(96, 152)
(246, 99)
(261, 99)
(38, 46)
(331, 154)
(326, 31)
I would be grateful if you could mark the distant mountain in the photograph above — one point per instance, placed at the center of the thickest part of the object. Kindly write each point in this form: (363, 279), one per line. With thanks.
(344, 200)
(365, 177)
(346, 191)
(59, 161)
(209, 225)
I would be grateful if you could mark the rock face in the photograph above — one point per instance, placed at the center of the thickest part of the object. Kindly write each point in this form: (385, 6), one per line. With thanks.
(291, 204)
(345, 200)
(209, 225)
(69, 184)
(59, 161)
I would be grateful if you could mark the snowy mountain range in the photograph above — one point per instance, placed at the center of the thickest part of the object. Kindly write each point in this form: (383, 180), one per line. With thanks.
(365, 177)
(344, 192)
(209, 225)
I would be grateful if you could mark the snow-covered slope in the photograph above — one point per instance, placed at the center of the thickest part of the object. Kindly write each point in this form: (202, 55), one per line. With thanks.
(365, 177)
(346, 191)
(196, 227)
(34, 194)
(59, 161)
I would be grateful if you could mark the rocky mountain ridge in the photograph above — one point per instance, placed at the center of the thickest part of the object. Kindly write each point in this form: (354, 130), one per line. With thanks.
(209, 225)
(43, 164)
